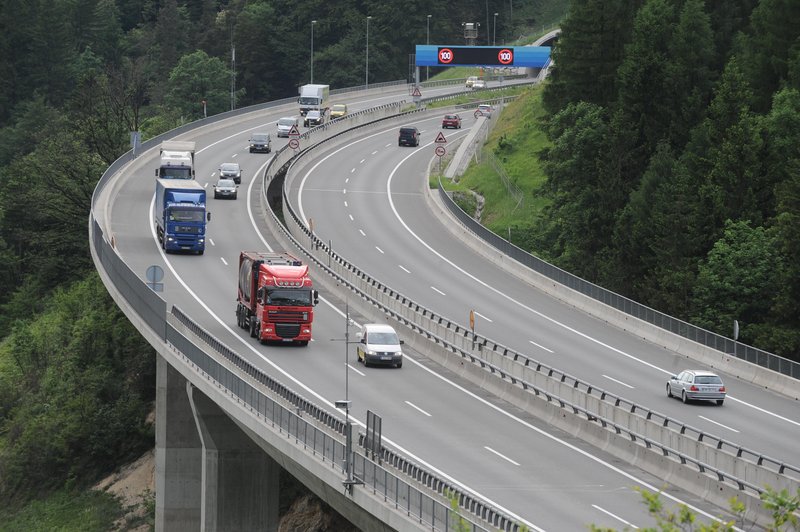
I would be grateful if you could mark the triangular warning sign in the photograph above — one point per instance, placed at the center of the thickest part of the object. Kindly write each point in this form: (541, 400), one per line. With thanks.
(294, 132)
(416, 92)
(440, 139)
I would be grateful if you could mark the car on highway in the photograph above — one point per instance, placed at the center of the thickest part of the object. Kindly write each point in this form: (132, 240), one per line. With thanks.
(286, 124)
(408, 136)
(479, 84)
(225, 188)
(379, 344)
(231, 171)
(338, 110)
(486, 110)
(451, 121)
(695, 384)
(260, 142)
(470, 81)
(314, 118)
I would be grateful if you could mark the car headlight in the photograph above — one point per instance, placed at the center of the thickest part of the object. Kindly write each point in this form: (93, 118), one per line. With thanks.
(369, 352)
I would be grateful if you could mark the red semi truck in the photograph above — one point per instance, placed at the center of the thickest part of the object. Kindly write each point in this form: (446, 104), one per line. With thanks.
(276, 297)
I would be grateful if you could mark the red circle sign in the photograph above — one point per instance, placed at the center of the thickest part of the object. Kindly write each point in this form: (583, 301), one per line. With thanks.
(294, 144)
(446, 55)
(505, 56)
(440, 151)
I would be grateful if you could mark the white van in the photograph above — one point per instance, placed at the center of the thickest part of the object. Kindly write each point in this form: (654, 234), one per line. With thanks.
(379, 344)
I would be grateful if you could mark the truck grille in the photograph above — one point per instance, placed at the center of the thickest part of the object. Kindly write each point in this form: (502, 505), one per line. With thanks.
(290, 316)
(187, 229)
(287, 330)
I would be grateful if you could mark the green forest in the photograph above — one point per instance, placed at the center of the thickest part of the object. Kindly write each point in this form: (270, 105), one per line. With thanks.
(77, 381)
(672, 172)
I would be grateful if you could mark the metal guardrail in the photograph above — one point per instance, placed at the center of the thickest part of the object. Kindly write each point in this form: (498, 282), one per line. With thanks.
(628, 306)
(412, 314)
(151, 308)
(250, 388)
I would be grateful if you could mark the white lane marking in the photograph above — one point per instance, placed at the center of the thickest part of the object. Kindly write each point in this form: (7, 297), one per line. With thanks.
(501, 455)
(373, 153)
(235, 155)
(330, 405)
(346, 180)
(379, 249)
(412, 405)
(404, 269)
(205, 185)
(541, 346)
(518, 303)
(618, 382)
(361, 161)
(618, 518)
(225, 262)
(345, 204)
(356, 370)
(362, 232)
(387, 145)
(482, 316)
(351, 217)
(719, 424)
(437, 290)
(211, 242)
(344, 191)
(352, 170)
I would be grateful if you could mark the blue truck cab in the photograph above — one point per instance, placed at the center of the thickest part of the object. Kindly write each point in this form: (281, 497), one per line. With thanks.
(180, 215)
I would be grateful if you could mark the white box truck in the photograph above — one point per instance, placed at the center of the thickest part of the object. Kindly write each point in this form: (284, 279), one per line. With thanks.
(314, 97)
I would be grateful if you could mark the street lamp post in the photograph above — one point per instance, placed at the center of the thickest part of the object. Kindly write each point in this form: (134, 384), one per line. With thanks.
(494, 31)
(366, 73)
(313, 22)
(428, 41)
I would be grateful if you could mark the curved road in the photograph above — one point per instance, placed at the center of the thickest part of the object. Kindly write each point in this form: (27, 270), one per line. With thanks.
(549, 480)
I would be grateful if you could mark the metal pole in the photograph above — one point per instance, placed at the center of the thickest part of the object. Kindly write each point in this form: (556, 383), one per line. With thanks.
(428, 41)
(366, 74)
(494, 31)
(312, 50)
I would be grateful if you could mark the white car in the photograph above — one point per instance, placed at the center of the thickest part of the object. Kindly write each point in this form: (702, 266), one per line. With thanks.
(479, 84)
(286, 124)
(379, 344)
(485, 109)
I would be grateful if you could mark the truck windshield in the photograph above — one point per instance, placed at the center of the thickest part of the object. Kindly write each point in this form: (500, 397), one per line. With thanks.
(177, 214)
(299, 297)
(176, 173)
(309, 101)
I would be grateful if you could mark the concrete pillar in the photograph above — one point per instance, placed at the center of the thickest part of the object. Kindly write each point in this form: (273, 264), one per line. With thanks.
(178, 454)
(240, 481)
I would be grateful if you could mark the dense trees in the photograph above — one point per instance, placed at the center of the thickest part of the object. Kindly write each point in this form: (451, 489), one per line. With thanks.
(673, 175)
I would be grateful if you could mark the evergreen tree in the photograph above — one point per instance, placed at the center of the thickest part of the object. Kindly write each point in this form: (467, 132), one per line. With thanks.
(588, 53)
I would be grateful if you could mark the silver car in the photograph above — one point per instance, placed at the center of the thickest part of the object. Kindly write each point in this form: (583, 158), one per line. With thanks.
(231, 171)
(697, 384)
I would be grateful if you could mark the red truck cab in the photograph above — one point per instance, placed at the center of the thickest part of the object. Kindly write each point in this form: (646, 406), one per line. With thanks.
(276, 297)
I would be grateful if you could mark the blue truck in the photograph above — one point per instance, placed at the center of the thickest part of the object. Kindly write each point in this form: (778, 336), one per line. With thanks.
(181, 216)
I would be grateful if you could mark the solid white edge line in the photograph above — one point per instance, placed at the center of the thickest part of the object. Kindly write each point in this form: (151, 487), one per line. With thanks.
(618, 518)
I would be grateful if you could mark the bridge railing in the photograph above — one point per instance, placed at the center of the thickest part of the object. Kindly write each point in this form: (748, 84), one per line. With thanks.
(740, 467)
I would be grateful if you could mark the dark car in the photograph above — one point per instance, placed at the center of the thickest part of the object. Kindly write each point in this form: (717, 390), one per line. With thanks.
(409, 136)
(231, 171)
(451, 121)
(225, 188)
(314, 118)
(259, 142)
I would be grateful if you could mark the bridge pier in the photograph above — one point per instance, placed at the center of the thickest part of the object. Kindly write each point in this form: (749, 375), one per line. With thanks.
(210, 476)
